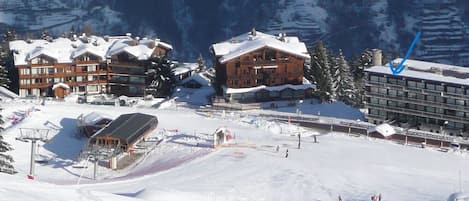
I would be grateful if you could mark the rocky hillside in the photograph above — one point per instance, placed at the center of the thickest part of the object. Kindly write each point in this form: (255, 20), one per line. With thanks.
(191, 26)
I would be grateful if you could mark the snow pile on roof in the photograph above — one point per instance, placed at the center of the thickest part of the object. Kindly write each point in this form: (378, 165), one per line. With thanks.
(384, 129)
(199, 78)
(61, 85)
(247, 42)
(427, 70)
(273, 88)
(4, 92)
(93, 118)
(64, 50)
(181, 68)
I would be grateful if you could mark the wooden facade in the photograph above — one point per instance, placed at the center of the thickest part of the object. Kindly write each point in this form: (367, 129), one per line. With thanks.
(87, 73)
(266, 66)
(82, 75)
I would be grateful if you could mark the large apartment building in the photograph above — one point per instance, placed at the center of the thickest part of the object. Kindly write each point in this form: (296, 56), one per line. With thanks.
(257, 67)
(86, 64)
(426, 96)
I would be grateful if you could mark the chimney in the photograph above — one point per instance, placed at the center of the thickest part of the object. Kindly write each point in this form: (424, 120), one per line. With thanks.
(377, 57)
(436, 70)
(253, 31)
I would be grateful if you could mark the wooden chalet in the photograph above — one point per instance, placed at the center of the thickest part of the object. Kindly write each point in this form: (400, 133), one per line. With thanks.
(88, 64)
(125, 131)
(254, 60)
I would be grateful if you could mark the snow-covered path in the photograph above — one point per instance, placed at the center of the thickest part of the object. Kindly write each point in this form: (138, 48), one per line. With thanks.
(352, 167)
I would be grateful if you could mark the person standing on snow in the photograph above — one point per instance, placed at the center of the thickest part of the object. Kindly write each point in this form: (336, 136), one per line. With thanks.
(286, 154)
(277, 149)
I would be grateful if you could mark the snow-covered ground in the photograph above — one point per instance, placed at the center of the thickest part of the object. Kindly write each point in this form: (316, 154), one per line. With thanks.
(184, 167)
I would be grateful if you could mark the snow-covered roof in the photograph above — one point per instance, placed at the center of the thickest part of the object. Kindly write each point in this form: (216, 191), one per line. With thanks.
(246, 43)
(60, 84)
(428, 71)
(384, 129)
(272, 88)
(181, 68)
(198, 77)
(93, 118)
(64, 50)
(4, 92)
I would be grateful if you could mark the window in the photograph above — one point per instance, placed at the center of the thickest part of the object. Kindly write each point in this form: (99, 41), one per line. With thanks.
(392, 93)
(430, 86)
(412, 84)
(440, 88)
(383, 91)
(374, 100)
(451, 101)
(420, 107)
(412, 95)
(459, 90)
(81, 88)
(450, 89)
(401, 82)
(420, 85)
(430, 109)
(392, 80)
(374, 78)
(431, 98)
(382, 102)
(382, 79)
(459, 102)
(459, 114)
(92, 88)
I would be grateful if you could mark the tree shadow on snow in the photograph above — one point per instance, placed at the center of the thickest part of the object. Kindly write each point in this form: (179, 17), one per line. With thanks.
(65, 145)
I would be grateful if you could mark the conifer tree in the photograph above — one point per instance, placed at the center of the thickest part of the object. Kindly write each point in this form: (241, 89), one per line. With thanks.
(160, 78)
(345, 85)
(5, 159)
(320, 71)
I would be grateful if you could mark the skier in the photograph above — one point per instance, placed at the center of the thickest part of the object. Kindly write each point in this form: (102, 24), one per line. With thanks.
(286, 154)
(277, 149)
(340, 198)
(379, 197)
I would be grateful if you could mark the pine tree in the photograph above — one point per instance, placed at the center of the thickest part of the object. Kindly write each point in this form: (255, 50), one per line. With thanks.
(320, 71)
(4, 81)
(334, 72)
(358, 72)
(5, 160)
(160, 78)
(345, 84)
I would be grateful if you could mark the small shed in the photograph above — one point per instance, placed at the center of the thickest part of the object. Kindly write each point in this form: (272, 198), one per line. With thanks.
(221, 136)
(125, 131)
(382, 131)
(196, 81)
(61, 90)
(89, 124)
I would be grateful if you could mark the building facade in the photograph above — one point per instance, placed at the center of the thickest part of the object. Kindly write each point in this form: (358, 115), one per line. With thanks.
(87, 64)
(426, 96)
(252, 66)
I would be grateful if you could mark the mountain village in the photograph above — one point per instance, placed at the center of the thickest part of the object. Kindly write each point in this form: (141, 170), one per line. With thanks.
(117, 118)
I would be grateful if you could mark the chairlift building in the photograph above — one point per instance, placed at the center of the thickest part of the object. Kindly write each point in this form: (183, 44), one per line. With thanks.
(125, 131)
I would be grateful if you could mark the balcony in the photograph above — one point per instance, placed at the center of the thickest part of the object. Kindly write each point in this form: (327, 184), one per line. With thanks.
(415, 112)
(419, 102)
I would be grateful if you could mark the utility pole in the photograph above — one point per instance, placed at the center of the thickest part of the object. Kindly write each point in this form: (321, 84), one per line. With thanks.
(33, 135)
